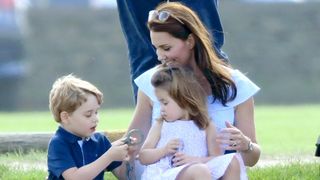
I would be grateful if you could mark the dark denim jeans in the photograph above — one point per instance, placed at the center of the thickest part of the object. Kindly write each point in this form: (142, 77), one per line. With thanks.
(133, 16)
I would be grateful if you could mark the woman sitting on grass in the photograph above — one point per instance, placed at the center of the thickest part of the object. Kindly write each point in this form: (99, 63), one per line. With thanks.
(184, 130)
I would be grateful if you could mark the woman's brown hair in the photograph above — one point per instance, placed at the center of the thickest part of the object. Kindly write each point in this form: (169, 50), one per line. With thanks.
(222, 86)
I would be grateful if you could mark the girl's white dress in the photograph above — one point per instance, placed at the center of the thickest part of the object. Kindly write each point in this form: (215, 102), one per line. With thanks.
(217, 112)
(195, 144)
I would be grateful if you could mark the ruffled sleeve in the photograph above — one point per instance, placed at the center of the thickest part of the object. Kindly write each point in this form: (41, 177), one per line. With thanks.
(144, 83)
(245, 88)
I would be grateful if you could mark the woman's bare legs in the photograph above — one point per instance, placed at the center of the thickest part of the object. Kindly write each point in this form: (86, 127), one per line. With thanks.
(233, 170)
(195, 171)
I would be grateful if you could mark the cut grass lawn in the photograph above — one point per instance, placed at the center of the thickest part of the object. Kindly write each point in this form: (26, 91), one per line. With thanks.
(16, 166)
(282, 131)
(292, 171)
(112, 119)
(287, 130)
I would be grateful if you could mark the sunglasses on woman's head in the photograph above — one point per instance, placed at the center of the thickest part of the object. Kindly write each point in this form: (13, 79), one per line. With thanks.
(161, 16)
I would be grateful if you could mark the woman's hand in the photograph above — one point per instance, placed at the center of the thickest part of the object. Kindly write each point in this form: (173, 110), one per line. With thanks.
(231, 138)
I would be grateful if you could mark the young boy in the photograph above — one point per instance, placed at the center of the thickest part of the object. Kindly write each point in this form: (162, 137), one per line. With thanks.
(76, 151)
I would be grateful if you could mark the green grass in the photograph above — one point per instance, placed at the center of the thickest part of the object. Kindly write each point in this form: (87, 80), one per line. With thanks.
(17, 174)
(16, 166)
(112, 119)
(13, 167)
(281, 130)
(294, 171)
(28, 166)
(288, 131)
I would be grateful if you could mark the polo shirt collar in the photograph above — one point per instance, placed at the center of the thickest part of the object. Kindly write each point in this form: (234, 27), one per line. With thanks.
(71, 137)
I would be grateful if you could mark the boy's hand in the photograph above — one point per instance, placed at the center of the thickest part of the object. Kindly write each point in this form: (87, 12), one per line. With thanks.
(119, 151)
(133, 150)
(118, 142)
(172, 146)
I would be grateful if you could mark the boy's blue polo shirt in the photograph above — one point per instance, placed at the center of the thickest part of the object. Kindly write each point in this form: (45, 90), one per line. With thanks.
(64, 152)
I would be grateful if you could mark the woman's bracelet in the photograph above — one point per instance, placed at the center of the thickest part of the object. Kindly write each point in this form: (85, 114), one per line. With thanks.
(250, 146)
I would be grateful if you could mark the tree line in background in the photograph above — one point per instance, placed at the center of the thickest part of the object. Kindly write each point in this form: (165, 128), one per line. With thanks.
(277, 45)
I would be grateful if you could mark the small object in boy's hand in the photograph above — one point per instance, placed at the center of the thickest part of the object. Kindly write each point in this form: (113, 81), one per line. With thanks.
(134, 137)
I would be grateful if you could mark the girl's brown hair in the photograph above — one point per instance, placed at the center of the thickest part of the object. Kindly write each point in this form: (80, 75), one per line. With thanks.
(185, 90)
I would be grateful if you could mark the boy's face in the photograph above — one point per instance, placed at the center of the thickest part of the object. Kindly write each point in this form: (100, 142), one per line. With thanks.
(84, 120)
(170, 110)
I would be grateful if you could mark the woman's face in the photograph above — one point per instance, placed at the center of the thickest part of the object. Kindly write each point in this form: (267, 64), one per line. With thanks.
(171, 50)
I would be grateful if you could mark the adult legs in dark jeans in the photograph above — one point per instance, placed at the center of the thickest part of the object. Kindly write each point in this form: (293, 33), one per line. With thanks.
(133, 16)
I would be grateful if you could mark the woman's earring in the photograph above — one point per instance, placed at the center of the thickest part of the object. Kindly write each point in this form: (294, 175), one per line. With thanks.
(188, 43)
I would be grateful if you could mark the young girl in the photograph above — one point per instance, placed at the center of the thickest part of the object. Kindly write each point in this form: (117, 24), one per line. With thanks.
(184, 133)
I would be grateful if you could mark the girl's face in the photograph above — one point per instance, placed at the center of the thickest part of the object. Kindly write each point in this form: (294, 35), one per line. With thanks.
(84, 120)
(170, 110)
(171, 50)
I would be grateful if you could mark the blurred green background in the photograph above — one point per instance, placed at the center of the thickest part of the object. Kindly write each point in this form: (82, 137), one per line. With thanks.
(275, 44)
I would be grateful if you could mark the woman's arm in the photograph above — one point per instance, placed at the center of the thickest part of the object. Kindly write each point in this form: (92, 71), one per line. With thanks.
(213, 146)
(120, 173)
(242, 134)
(244, 116)
(142, 116)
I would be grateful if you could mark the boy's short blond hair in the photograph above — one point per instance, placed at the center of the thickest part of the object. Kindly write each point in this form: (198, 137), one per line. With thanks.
(68, 93)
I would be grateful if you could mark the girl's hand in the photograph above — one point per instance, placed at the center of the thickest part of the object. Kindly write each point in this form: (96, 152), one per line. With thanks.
(172, 146)
(231, 138)
(180, 158)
